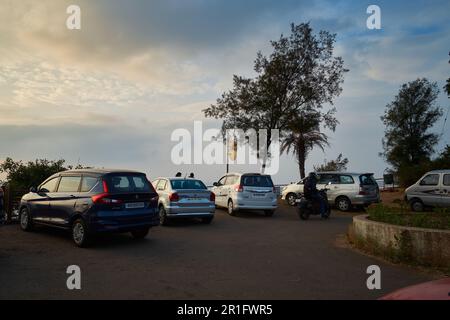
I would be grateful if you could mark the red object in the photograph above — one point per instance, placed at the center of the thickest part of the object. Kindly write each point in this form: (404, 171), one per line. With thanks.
(238, 188)
(174, 197)
(433, 290)
(212, 197)
(102, 198)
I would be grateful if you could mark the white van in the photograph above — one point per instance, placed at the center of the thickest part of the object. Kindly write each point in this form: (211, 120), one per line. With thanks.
(432, 190)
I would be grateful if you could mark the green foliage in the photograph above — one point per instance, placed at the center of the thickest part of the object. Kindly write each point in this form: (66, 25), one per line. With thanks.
(397, 216)
(25, 175)
(408, 119)
(340, 164)
(291, 87)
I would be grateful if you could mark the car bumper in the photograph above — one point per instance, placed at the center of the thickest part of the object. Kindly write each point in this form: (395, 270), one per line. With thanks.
(123, 222)
(255, 207)
(202, 211)
(365, 201)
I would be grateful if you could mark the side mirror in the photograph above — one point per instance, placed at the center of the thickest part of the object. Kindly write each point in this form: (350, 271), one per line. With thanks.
(215, 184)
(33, 190)
(329, 183)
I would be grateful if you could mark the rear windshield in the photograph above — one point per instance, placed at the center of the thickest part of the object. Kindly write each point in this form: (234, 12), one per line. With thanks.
(187, 184)
(123, 183)
(367, 180)
(256, 181)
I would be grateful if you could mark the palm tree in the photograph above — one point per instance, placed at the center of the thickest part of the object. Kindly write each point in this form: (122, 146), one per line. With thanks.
(302, 138)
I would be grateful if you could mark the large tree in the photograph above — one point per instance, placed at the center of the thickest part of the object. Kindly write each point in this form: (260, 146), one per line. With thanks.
(293, 82)
(408, 119)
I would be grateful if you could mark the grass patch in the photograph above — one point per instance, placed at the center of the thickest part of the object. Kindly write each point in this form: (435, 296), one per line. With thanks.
(438, 219)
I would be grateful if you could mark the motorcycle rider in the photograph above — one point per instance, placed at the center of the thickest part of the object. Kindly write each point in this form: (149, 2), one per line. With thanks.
(312, 194)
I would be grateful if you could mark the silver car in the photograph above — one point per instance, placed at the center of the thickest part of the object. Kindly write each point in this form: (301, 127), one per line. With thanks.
(345, 191)
(432, 190)
(184, 197)
(248, 191)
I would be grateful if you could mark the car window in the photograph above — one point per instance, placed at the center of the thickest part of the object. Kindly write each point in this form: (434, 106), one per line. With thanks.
(128, 182)
(430, 180)
(69, 184)
(326, 178)
(231, 180)
(367, 180)
(87, 183)
(346, 180)
(49, 186)
(256, 181)
(187, 184)
(161, 185)
(446, 180)
(222, 181)
(155, 183)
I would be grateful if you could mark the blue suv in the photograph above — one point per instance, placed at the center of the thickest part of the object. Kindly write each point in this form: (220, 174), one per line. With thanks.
(92, 201)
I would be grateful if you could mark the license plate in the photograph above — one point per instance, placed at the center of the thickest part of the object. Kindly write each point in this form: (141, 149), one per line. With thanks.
(259, 195)
(134, 205)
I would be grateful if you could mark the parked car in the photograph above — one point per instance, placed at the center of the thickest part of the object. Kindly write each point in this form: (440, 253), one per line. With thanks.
(182, 198)
(247, 191)
(346, 189)
(92, 201)
(431, 190)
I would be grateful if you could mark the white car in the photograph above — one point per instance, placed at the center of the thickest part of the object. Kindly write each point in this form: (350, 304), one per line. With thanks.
(246, 191)
(432, 190)
(345, 189)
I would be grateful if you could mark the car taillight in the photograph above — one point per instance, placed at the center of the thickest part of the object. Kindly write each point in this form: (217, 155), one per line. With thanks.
(362, 192)
(212, 197)
(105, 187)
(238, 188)
(174, 197)
(103, 199)
(274, 190)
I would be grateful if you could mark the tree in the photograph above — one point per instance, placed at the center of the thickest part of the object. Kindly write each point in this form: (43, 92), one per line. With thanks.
(302, 138)
(23, 176)
(447, 86)
(294, 82)
(408, 118)
(340, 164)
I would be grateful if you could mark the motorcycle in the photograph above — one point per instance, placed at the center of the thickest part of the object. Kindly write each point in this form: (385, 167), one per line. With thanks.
(307, 207)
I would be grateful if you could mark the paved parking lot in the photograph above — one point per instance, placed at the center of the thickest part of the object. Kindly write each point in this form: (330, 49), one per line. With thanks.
(244, 257)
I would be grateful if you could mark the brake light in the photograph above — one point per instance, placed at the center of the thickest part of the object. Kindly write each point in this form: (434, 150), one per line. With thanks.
(103, 199)
(105, 187)
(174, 197)
(274, 190)
(212, 197)
(238, 188)
(362, 192)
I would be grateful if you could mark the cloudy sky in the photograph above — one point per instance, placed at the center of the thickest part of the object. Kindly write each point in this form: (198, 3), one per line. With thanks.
(111, 94)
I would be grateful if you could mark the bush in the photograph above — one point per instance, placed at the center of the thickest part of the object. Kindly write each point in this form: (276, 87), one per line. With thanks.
(439, 219)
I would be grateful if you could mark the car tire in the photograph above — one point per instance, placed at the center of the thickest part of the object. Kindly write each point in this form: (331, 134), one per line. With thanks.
(207, 220)
(417, 205)
(26, 222)
(290, 199)
(163, 220)
(230, 208)
(80, 233)
(269, 213)
(343, 204)
(140, 233)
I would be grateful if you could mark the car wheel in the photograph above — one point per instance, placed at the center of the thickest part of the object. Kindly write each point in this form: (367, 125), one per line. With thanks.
(269, 213)
(231, 210)
(80, 233)
(343, 204)
(290, 199)
(140, 233)
(207, 220)
(417, 205)
(26, 222)
(163, 220)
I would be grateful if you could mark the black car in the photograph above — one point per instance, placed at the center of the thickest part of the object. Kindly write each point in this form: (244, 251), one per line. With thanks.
(92, 201)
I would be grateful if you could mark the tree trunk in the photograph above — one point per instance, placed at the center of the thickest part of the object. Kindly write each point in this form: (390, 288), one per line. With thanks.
(301, 159)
